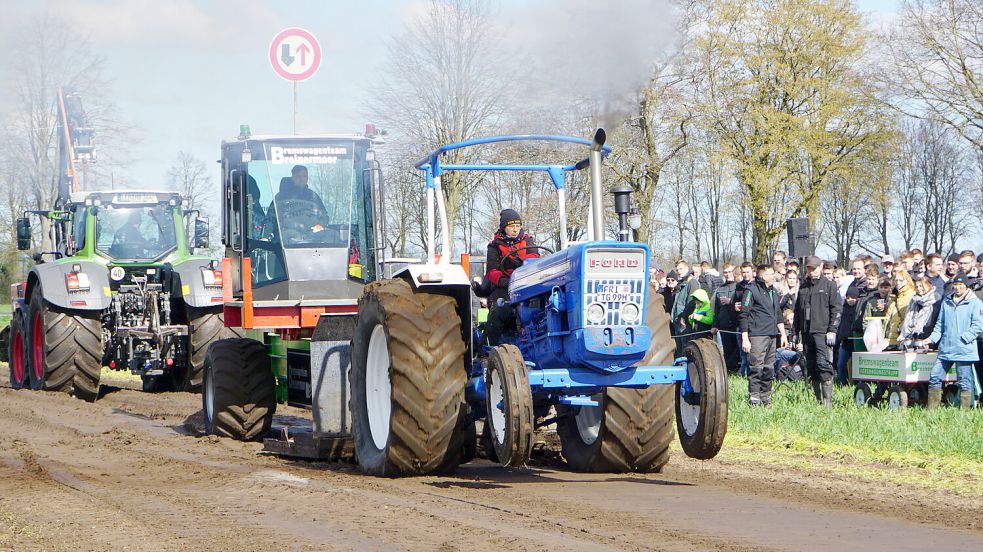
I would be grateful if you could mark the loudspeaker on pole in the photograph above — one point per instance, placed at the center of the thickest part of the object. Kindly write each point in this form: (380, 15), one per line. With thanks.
(799, 238)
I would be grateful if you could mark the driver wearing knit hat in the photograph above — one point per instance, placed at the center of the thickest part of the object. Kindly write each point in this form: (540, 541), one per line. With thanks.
(507, 251)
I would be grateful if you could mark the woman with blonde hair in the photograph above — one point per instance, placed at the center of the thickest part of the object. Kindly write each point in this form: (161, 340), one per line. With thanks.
(904, 292)
(922, 313)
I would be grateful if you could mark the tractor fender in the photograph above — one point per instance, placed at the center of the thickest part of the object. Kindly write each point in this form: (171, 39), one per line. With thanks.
(190, 286)
(52, 278)
(453, 283)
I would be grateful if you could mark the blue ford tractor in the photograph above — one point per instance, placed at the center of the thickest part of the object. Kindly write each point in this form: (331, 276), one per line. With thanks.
(589, 350)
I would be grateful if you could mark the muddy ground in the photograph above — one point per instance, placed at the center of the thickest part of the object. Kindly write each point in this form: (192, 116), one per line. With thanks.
(134, 471)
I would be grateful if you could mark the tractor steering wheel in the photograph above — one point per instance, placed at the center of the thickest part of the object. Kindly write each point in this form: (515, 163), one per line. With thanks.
(515, 252)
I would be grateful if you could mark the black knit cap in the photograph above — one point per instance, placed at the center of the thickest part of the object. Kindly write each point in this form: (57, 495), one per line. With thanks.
(507, 217)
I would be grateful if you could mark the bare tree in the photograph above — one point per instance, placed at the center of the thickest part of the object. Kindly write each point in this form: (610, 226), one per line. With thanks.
(189, 176)
(938, 55)
(842, 216)
(907, 189)
(404, 206)
(445, 81)
(942, 172)
(653, 135)
(45, 53)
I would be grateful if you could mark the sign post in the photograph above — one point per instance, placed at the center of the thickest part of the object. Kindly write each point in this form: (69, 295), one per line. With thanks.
(295, 55)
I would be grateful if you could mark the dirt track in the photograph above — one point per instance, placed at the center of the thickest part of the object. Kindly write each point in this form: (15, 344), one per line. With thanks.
(134, 472)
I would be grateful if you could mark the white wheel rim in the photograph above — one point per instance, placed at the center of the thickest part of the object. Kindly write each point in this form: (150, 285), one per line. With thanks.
(588, 420)
(378, 387)
(859, 397)
(209, 392)
(496, 415)
(894, 401)
(690, 413)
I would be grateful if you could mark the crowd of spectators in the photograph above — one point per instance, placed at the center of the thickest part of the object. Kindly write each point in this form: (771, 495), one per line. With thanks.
(805, 321)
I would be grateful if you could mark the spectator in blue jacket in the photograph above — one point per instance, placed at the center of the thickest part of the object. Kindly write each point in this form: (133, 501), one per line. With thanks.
(960, 321)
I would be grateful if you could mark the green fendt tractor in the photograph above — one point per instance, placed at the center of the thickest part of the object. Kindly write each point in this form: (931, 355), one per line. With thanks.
(119, 287)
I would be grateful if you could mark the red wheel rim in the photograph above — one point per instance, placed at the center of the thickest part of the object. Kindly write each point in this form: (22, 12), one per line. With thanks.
(37, 345)
(17, 362)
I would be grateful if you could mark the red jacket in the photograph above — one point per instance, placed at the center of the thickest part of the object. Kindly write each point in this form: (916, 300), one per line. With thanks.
(499, 248)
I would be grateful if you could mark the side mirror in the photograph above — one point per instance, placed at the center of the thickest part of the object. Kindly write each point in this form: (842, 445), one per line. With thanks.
(201, 233)
(23, 234)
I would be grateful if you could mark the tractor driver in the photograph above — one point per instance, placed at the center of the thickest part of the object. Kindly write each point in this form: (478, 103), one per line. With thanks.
(510, 247)
(294, 192)
(128, 240)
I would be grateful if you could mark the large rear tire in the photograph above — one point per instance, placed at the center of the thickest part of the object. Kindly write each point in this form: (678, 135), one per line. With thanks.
(407, 382)
(65, 349)
(701, 416)
(17, 352)
(205, 326)
(239, 390)
(632, 428)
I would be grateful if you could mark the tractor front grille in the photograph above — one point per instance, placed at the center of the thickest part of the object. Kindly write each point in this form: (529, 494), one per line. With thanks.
(612, 294)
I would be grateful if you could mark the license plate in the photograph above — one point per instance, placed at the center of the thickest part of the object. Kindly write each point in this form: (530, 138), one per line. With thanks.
(615, 288)
(613, 293)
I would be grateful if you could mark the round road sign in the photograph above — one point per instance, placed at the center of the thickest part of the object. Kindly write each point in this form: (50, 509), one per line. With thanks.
(295, 54)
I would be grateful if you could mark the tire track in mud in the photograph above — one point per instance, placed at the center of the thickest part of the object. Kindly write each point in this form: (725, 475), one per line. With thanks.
(132, 469)
(431, 518)
(119, 442)
(84, 505)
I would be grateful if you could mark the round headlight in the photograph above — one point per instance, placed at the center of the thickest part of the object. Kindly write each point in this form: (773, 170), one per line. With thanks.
(629, 312)
(595, 313)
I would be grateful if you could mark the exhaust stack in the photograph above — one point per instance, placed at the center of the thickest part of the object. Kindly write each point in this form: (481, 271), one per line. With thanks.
(596, 203)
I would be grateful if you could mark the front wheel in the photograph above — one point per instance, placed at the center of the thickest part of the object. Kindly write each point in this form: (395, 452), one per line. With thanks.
(861, 393)
(238, 394)
(631, 429)
(508, 404)
(897, 398)
(701, 401)
(407, 382)
(17, 353)
(205, 326)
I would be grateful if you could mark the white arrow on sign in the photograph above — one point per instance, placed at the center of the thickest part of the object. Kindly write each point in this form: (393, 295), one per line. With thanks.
(295, 54)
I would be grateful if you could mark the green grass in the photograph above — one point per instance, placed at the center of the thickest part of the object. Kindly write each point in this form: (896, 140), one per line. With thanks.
(117, 375)
(946, 440)
(5, 314)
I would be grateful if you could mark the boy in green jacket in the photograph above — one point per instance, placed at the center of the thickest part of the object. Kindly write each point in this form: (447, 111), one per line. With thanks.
(702, 318)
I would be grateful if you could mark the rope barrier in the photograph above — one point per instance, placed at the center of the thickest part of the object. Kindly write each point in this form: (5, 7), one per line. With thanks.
(704, 332)
(690, 334)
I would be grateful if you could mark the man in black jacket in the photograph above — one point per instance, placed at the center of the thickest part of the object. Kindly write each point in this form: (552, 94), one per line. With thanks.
(761, 324)
(817, 317)
(746, 279)
(725, 318)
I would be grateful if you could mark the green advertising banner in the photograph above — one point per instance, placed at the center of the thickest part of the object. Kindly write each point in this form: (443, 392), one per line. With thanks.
(896, 366)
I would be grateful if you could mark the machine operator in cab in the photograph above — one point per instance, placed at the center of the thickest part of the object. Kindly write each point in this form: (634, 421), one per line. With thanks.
(510, 247)
(303, 211)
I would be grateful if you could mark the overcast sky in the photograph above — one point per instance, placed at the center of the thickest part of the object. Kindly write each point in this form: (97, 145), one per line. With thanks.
(187, 73)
